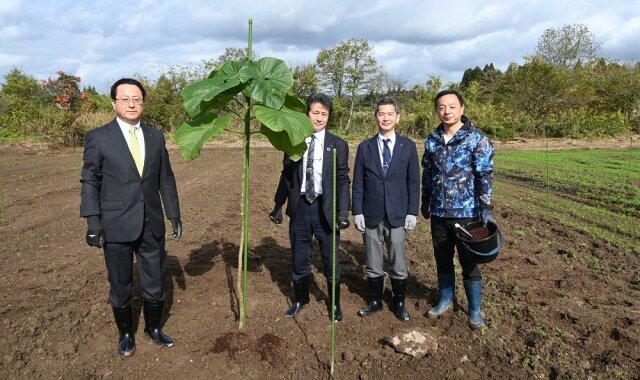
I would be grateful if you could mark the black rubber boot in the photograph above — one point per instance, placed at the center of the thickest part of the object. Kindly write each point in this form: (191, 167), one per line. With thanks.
(399, 291)
(301, 294)
(376, 287)
(338, 311)
(152, 317)
(124, 321)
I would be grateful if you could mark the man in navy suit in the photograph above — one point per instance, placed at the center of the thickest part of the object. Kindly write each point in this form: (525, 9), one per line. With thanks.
(307, 187)
(386, 192)
(126, 174)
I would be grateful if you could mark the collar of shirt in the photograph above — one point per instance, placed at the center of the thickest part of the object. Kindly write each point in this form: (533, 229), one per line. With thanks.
(318, 135)
(318, 146)
(392, 143)
(392, 139)
(124, 127)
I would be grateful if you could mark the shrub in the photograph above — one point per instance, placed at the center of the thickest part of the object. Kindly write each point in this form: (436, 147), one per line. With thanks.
(583, 123)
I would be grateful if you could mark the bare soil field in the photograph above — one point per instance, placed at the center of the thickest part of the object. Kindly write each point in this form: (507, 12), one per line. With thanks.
(558, 304)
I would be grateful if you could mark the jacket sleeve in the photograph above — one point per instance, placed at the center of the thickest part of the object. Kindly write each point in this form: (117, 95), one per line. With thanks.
(342, 178)
(413, 182)
(357, 187)
(426, 178)
(168, 187)
(483, 171)
(282, 191)
(90, 177)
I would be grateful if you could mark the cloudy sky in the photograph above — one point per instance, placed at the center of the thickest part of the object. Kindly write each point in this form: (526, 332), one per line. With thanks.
(101, 41)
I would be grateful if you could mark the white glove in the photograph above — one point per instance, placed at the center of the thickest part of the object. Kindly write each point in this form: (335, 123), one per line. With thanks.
(410, 222)
(359, 221)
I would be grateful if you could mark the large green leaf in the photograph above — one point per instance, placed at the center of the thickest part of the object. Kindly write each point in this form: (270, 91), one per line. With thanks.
(280, 141)
(292, 101)
(214, 91)
(268, 79)
(192, 136)
(286, 129)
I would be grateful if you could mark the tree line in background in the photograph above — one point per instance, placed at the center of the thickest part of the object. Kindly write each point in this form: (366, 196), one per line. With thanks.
(562, 90)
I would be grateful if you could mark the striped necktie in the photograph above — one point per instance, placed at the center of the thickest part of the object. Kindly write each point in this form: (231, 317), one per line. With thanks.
(309, 185)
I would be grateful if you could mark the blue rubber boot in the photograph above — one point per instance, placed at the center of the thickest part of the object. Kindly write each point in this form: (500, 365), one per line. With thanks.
(474, 294)
(447, 289)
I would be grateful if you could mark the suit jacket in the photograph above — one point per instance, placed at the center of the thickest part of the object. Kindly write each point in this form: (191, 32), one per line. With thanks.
(291, 180)
(113, 189)
(396, 195)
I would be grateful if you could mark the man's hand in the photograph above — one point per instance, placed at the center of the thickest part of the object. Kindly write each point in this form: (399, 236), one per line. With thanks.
(95, 238)
(343, 220)
(176, 224)
(276, 214)
(359, 222)
(486, 216)
(95, 235)
(424, 210)
(410, 222)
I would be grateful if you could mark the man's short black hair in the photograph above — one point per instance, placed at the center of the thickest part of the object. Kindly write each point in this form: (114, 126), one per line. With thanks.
(114, 88)
(321, 98)
(387, 100)
(448, 92)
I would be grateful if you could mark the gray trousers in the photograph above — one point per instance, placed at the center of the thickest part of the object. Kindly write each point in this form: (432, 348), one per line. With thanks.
(374, 240)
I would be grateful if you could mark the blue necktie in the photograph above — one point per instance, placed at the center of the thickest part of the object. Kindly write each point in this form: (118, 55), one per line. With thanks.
(386, 157)
(309, 186)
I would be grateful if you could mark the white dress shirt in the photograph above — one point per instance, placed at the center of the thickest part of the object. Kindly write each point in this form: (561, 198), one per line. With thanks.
(124, 127)
(318, 154)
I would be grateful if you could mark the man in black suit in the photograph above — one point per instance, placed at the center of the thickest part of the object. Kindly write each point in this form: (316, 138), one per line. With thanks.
(307, 187)
(386, 192)
(125, 175)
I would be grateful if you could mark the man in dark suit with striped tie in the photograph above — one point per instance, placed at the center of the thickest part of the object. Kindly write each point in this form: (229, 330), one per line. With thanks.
(386, 192)
(126, 174)
(307, 187)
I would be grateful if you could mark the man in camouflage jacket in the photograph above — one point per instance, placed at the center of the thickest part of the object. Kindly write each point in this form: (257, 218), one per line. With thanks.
(456, 188)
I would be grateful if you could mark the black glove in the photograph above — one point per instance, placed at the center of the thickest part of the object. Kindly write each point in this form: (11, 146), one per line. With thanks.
(343, 220)
(95, 238)
(424, 210)
(276, 214)
(95, 235)
(177, 228)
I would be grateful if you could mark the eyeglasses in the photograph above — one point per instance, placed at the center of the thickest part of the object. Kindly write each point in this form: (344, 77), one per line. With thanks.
(125, 101)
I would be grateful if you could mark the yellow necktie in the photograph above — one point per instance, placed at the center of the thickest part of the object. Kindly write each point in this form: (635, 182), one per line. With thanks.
(134, 147)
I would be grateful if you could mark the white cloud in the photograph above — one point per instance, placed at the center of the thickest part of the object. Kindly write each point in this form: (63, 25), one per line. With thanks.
(103, 40)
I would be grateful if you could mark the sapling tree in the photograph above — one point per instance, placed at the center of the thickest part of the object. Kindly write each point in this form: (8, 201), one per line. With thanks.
(259, 95)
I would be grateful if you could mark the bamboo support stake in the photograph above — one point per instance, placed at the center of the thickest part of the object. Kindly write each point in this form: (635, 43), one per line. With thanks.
(333, 265)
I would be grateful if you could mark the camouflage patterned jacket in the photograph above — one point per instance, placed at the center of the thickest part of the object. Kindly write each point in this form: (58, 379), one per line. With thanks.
(457, 177)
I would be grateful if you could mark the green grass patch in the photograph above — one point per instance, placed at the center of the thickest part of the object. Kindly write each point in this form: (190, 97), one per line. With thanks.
(593, 191)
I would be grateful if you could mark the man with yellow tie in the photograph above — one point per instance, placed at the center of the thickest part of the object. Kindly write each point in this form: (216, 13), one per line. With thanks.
(126, 179)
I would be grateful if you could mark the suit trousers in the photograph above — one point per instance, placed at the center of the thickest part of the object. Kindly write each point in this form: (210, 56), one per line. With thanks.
(151, 258)
(310, 221)
(374, 240)
(443, 235)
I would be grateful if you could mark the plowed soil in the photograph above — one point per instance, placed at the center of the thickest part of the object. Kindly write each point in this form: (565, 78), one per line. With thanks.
(558, 304)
